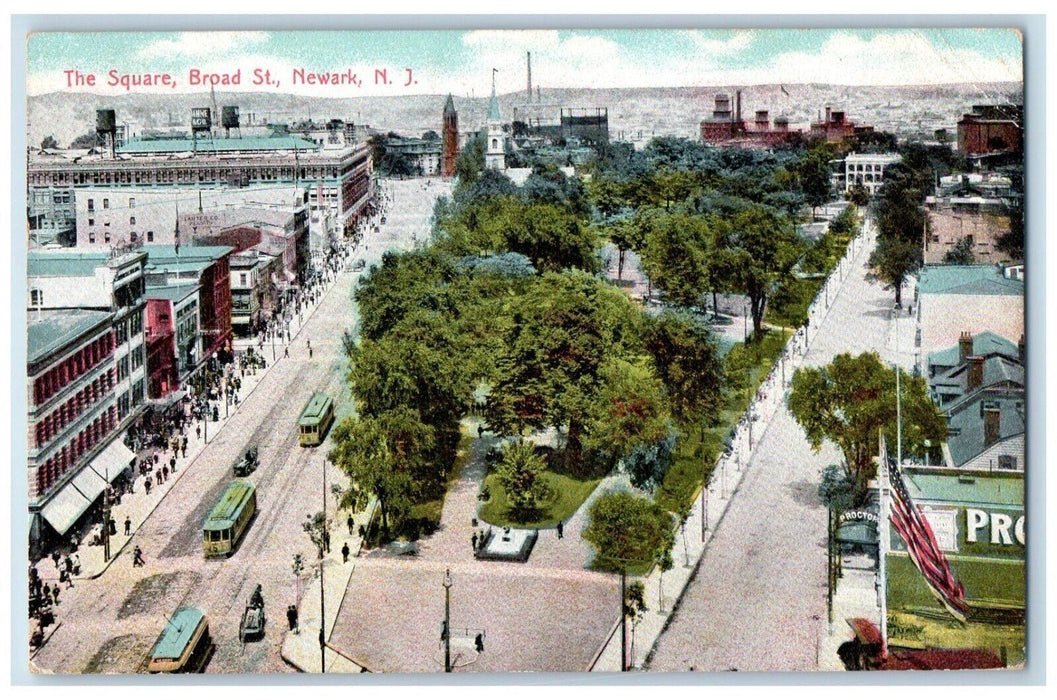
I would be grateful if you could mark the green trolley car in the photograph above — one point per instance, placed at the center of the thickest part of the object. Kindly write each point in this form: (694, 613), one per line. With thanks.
(229, 519)
(184, 645)
(315, 420)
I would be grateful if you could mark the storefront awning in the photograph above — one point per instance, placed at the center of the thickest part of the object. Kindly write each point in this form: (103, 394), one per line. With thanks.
(66, 506)
(109, 463)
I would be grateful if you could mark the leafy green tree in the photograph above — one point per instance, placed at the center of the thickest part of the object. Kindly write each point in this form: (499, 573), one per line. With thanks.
(419, 364)
(892, 261)
(626, 530)
(49, 142)
(850, 400)
(430, 135)
(630, 412)
(470, 162)
(563, 328)
(687, 360)
(403, 283)
(676, 253)
(625, 235)
(389, 456)
(521, 472)
(815, 174)
(763, 248)
(961, 253)
(1012, 242)
(835, 489)
(858, 195)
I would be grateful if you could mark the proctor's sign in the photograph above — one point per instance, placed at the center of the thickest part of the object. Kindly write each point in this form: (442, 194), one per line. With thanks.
(994, 528)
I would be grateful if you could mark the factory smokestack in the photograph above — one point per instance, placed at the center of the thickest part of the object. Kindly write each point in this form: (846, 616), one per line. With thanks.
(528, 56)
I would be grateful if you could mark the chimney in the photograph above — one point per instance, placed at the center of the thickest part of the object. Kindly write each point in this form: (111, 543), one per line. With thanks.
(1021, 348)
(965, 345)
(738, 119)
(992, 423)
(976, 374)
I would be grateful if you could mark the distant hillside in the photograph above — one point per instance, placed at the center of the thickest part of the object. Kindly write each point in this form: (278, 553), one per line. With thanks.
(633, 112)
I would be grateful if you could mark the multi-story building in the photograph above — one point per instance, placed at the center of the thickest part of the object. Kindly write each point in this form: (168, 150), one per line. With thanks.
(255, 286)
(836, 127)
(979, 384)
(173, 339)
(72, 418)
(276, 230)
(338, 180)
(207, 268)
(991, 129)
(971, 207)
(425, 154)
(106, 217)
(867, 169)
(87, 378)
(727, 128)
(955, 299)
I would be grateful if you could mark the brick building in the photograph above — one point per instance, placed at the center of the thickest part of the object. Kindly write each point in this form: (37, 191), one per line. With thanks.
(727, 128)
(990, 129)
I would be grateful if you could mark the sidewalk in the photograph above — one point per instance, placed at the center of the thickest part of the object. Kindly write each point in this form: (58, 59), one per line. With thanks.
(664, 589)
(138, 506)
(856, 596)
(301, 647)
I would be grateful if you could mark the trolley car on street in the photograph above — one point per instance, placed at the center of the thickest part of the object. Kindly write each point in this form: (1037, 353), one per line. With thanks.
(184, 645)
(315, 420)
(229, 519)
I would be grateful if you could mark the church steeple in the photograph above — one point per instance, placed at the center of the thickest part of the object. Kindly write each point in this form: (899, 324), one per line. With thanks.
(451, 137)
(493, 104)
(495, 145)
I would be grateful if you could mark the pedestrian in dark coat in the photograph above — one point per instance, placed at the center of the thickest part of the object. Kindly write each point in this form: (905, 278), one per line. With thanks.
(350, 524)
(473, 541)
(345, 553)
(128, 525)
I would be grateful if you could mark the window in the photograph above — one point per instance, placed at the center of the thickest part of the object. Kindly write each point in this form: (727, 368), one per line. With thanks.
(36, 297)
(91, 237)
(106, 237)
(91, 205)
(91, 222)
(133, 236)
(131, 221)
(106, 203)
(1007, 462)
(150, 236)
(131, 202)
(242, 279)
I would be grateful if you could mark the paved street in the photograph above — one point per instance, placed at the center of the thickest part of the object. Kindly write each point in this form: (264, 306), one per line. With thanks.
(109, 624)
(758, 600)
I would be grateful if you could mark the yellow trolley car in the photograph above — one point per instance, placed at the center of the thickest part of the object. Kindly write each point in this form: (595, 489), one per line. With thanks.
(229, 519)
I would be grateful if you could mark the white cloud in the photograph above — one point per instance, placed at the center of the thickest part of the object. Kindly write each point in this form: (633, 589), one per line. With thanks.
(738, 42)
(897, 58)
(202, 44)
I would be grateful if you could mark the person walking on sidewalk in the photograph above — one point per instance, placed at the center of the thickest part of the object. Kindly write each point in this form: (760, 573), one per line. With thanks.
(561, 530)
(345, 553)
(349, 523)
(128, 525)
(137, 556)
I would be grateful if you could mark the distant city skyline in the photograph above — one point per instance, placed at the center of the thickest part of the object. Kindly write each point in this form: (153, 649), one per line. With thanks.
(461, 62)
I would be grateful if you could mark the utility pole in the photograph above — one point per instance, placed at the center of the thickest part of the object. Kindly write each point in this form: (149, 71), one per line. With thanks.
(447, 620)
(322, 608)
(623, 619)
(704, 500)
(106, 517)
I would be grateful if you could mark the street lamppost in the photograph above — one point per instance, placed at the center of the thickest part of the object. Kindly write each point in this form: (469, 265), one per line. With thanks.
(745, 320)
(447, 620)
(704, 500)
(106, 517)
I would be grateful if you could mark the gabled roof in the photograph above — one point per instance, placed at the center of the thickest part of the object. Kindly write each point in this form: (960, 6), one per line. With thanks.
(997, 370)
(985, 343)
(966, 424)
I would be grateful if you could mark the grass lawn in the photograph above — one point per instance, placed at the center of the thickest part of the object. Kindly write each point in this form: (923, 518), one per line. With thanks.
(567, 495)
(695, 454)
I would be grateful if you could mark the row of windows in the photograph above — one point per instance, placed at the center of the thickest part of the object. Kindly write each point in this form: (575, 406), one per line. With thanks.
(56, 421)
(182, 175)
(63, 374)
(133, 236)
(129, 328)
(66, 458)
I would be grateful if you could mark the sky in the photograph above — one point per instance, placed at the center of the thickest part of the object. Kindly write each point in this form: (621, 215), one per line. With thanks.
(462, 62)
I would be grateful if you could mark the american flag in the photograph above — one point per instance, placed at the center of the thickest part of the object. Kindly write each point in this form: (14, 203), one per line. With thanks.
(923, 548)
